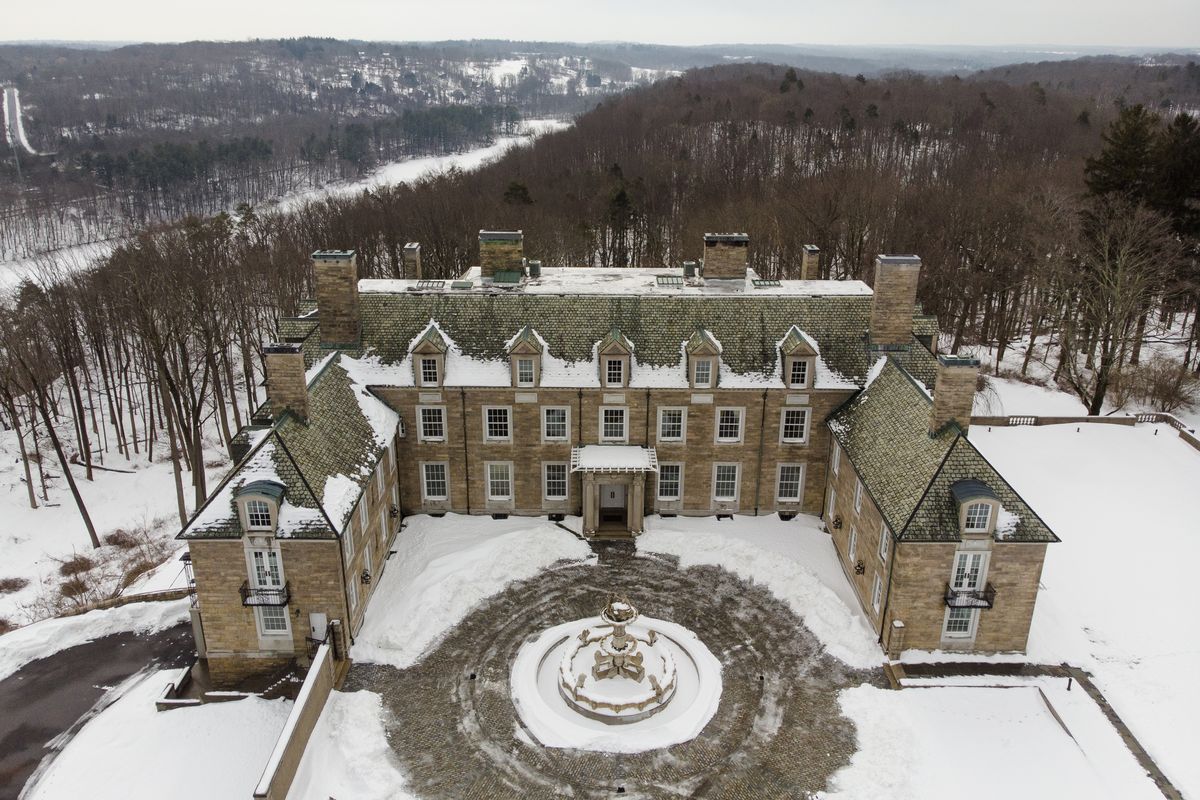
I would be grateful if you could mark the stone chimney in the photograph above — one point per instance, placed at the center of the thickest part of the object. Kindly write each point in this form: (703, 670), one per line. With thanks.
(501, 250)
(895, 301)
(412, 261)
(810, 263)
(954, 392)
(726, 255)
(286, 387)
(337, 296)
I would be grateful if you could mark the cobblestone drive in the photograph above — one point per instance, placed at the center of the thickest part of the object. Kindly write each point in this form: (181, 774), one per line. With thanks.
(777, 734)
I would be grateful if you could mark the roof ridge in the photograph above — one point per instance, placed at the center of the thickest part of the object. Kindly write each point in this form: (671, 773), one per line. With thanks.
(932, 479)
(234, 471)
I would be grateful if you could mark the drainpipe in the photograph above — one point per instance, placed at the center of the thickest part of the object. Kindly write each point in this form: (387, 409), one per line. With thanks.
(762, 435)
(579, 443)
(462, 395)
(887, 594)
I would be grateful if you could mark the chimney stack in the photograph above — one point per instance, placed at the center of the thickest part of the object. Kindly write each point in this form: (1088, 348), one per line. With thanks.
(726, 255)
(337, 296)
(501, 250)
(412, 261)
(810, 263)
(894, 301)
(954, 392)
(286, 387)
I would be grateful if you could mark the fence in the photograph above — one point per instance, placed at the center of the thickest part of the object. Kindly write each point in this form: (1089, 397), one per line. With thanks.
(1185, 433)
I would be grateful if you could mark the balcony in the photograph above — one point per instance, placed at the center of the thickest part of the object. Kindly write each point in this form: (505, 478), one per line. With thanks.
(264, 597)
(971, 598)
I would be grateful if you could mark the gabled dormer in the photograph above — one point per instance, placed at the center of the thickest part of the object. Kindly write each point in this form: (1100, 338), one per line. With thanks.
(978, 507)
(429, 357)
(525, 358)
(258, 506)
(703, 359)
(798, 354)
(614, 353)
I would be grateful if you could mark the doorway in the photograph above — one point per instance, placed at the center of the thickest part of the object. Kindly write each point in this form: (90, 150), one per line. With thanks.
(612, 503)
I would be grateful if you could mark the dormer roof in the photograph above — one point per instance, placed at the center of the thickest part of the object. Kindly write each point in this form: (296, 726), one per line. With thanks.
(798, 343)
(431, 340)
(614, 340)
(526, 341)
(702, 343)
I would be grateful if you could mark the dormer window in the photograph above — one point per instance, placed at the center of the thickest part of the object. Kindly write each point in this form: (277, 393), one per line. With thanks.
(525, 358)
(430, 375)
(525, 372)
(258, 515)
(614, 353)
(978, 506)
(614, 372)
(258, 505)
(798, 352)
(702, 353)
(429, 357)
(702, 373)
(978, 517)
(798, 374)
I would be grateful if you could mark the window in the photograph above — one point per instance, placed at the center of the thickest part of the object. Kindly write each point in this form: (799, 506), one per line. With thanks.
(670, 424)
(978, 516)
(968, 572)
(496, 426)
(383, 524)
(835, 461)
(858, 493)
(362, 512)
(612, 424)
(380, 474)
(885, 542)
(729, 424)
(429, 372)
(267, 572)
(877, 593)
(258, 514)
(499, 477)
(670, 481)
(791, 479)
(273, 619)
(703, 373)
(832, 502)
(959, 623)
(614, 372)
(555, 476)
(852, 544)
(725, 481)
(435, 483)
(798, 376)
(391, 451)
(524, 372)
(433, 423)
(555, 424)
(793, 425)
(348, 542)
(352, 587)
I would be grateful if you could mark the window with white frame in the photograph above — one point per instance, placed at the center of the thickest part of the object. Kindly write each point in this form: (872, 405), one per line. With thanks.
(852, 544)
(670, 481)
(352, 586)
(258, 514)
(978, 516)
(273, 619)
(835, 460)
(725, 481)
(433, 423)
(497, 426)
(729, 424)
(391, 451)
(348, 542)
(791, 480)
(499, 480)
(885, 541)
(525, 372)
(798, 377)
(968, 571)
(612, 424)
(702, 373)
(877, 593)
(380, 476)
(793, 425)
(268, 574)
(362, 512)
(960, 623)
(858, 494)
(670, 424)
(555, 481)
(383, 524)
(555, 425)
(435, 484)
(832, 501)
(429, 371)
(396, 498)
(614, 372)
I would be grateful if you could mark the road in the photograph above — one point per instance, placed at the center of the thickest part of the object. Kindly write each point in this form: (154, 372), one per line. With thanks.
(47, 697)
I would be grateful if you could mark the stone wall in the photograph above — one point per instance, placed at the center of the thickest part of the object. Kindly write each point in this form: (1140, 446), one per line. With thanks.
(725, 259)
(869, 523)
(286, 387)
(894, 299)
(506, 252)
(337, 296)
(954, 392)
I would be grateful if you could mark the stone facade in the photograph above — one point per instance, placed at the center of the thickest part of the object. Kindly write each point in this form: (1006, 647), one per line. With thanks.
(336, 273)
(501, 250)
(810, 263)
(894, 300)
(726, 255)
(285, 379)
(954, 393)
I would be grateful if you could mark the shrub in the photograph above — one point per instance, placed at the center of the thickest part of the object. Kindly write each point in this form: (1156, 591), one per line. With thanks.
(1166, 385)
(73, 588)
(121, 538)
(136, 570)
(6, 626)
(10, 585)
(75, 564)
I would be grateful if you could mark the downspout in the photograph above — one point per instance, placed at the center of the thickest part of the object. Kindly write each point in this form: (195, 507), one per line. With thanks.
(462, 395)
(579, 443)
(762, 435)
(887, 594)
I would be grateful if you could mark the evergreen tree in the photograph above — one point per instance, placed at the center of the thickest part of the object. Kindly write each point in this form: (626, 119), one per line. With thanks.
(1125, 167)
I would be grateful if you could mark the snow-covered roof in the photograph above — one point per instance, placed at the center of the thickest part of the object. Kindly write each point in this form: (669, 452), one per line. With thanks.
(613, 458)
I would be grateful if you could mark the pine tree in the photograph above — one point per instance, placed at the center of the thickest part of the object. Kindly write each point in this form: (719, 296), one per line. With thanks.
(1125, 167)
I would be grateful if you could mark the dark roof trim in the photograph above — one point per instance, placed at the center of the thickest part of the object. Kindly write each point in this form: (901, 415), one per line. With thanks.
(233, 472)
(272, 489)
(311, 493)
(971, 489)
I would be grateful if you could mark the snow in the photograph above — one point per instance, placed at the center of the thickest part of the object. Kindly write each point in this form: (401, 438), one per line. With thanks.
(930, 743)
(381, 417)
(202, 752)
(45, 638)
(612, 457)
(443, 568)
(339, 497)
(875, 370)
(795, 560)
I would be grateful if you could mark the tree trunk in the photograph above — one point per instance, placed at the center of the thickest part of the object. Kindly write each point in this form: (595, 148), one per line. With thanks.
(66, 468)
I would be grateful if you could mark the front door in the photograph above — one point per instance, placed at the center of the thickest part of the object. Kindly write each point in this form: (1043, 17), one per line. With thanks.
(612, 502)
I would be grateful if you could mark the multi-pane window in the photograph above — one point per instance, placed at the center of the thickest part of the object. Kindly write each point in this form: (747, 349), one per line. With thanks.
(352, 586)
(554, 424)
(670, 425)
(429, 372)
(670, 481)
(380, 474)
(556, 481)
(799, 373)
(383, 524)
(499, 477)
(267, 572)
(958, 621)
(837, 456)
(703, 370)
(725, 481)
(852, 544)
(885, 542)
(858, 494)
(612, 424)
(791, 477)
(614, 372)
(729, 425)
(496, 424)
(258, 514)
(362, 512)
(436, 483)
(433, 423)
(273, 619)
(832, 501)
(877, 593)
(524, 372)
(968, 571)
(978, 515)
(794, 424)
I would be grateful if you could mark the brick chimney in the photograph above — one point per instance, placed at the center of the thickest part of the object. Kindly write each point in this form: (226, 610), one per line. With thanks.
(337, 296)
(954, 392)
(501, 250)
(726, 255)
(810, 263)
(286, 388)
(895, 301)
(412, 261)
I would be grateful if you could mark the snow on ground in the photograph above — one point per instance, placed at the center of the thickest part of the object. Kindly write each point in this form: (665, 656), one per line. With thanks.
(443, 568)
(1118, 593)
(795, 560)
(132, 752)
(987, 742)
(45, 638)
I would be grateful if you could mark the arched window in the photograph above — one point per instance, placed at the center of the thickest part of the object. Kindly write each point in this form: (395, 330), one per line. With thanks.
(978, 515)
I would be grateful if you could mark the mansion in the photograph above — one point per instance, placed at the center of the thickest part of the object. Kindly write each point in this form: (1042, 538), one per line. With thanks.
(610, 394)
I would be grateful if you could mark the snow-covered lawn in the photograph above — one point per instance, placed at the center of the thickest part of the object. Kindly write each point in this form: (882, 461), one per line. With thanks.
(132, 752)
(1118, 593)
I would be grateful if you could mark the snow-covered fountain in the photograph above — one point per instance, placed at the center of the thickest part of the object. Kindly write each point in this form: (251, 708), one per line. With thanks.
(619, 682)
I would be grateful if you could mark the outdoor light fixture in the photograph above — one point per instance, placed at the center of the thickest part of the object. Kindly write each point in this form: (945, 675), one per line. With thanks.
(859, 567)
(365, 577)
(837, 523)
(394, 512)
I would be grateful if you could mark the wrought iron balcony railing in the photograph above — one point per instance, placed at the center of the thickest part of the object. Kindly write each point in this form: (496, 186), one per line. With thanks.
(971, 598)
(277, 596)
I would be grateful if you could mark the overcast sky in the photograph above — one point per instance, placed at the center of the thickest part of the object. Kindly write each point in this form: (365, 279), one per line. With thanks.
(1145, 23)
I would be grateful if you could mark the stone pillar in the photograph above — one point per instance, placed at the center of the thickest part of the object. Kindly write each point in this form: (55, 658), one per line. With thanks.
(286, 387)
(810, 263)
(591, 504)
(954, 392)
(501, 250)
(726, 255)
(895, 644)
(636, 511)
(895, 300)
(336, 273)
(412, 261)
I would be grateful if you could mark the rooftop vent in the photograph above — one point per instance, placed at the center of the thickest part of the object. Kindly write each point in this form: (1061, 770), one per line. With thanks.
(669, 280)
(429, 286)
(461, 285)
(764, 283)
(512, 276)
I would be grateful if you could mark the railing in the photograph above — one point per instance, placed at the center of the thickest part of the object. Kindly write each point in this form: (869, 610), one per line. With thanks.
(970, 598)
(278, 596)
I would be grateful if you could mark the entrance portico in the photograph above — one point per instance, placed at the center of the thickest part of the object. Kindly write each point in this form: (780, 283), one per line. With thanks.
(614, 487)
